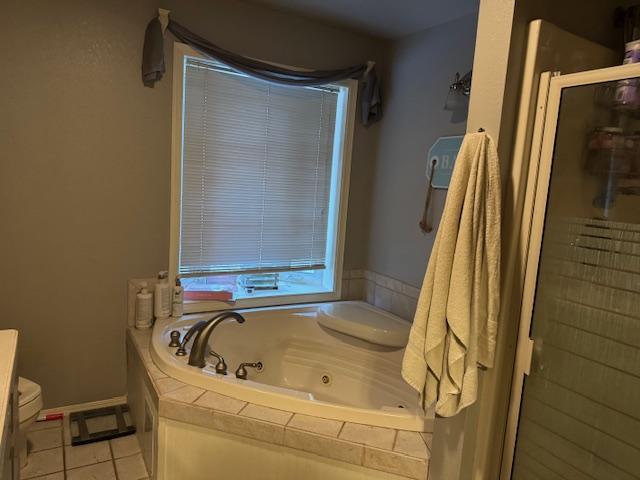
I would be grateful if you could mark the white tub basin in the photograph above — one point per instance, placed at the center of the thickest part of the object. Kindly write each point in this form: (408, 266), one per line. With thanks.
(308, 368)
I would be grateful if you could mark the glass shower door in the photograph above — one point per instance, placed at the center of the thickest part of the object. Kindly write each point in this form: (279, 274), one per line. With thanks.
(579, 413)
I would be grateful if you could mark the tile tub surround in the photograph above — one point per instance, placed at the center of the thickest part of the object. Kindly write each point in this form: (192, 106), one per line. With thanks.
(383, 449)
(384, 292)
(53, 458)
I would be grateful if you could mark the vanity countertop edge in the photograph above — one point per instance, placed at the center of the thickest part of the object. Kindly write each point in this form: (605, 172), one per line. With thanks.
(8, 365)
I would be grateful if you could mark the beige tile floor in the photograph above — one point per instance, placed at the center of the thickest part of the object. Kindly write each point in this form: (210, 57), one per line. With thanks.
(53, 458)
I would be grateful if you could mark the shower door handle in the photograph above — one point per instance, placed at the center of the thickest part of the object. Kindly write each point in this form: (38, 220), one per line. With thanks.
(528, 350)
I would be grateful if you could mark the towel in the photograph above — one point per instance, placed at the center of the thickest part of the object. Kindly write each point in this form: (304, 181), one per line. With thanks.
(153, 53)
(455, 324)
(370, 98)
(153, 67)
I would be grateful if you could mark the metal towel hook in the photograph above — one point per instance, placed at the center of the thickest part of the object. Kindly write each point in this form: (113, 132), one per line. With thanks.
(425, 225)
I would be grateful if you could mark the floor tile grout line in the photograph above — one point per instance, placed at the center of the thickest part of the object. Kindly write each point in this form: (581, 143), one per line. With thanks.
(129, 455)
(44, 475)
(31, 432)
(139, 452)
(51, 427)
(83, 467)
(45, 449)
(64, 457)
(113, 459)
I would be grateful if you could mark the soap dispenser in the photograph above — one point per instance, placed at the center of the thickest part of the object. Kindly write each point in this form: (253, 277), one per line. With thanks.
(178, 299)
(144, 307)
(162, 296)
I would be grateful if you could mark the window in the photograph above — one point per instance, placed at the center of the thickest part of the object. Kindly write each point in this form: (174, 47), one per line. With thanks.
(260, 176)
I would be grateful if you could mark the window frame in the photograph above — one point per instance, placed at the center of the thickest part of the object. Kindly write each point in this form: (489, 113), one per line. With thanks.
(345, 145)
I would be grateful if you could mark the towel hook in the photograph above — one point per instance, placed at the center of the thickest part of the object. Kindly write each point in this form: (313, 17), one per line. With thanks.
(424, 224)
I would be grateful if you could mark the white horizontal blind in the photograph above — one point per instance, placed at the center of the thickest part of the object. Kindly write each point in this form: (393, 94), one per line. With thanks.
(256, 172)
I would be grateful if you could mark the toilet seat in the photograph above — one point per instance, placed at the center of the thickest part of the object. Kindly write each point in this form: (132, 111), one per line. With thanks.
(29, 399)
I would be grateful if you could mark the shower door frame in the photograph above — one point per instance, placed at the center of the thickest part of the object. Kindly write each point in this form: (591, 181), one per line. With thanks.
(542, 148)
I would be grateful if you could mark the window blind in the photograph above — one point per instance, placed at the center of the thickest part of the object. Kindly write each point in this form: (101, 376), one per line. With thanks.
(256, 172)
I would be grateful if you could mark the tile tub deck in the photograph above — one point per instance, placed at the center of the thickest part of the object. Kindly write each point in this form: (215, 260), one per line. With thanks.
(403, 453)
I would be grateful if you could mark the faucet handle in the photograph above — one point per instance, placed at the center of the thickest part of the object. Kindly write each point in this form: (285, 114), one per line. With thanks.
(242, 373)
(175, 338)
(221, 366)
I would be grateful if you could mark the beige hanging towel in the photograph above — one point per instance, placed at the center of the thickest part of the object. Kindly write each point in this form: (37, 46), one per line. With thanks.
(455, 324)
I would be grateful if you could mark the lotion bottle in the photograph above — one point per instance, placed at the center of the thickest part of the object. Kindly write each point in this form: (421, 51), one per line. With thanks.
(162, 296)
(144, 307)
(178, 299)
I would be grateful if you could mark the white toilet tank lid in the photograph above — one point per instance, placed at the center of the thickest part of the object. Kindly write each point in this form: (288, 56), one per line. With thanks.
(28, 391)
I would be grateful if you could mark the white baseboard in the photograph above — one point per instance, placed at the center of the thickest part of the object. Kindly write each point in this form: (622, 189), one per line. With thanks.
(67, 409)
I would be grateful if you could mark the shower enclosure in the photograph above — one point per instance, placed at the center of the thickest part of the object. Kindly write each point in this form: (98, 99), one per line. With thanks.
(575, 409)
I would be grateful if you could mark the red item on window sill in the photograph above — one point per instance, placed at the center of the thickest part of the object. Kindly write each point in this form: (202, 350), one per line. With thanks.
(209, 295)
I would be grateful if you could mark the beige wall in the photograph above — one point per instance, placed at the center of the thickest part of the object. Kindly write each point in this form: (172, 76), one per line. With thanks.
(500, 50)
(84, 169)
(421, 68)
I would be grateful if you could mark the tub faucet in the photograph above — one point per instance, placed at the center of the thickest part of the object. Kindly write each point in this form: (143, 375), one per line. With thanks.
(201, 343)
(182, 348)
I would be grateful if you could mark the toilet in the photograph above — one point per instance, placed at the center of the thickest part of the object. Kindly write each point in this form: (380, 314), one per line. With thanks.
(29, 406)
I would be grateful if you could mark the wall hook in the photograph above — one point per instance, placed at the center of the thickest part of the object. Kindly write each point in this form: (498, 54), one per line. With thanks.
(424, 224)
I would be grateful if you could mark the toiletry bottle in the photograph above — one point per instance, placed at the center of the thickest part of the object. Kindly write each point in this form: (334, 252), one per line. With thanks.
(178, 299)
(162, 296)
(144, 307)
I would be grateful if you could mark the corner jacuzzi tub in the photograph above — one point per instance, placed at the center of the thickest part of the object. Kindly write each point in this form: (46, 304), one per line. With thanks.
(307, 368)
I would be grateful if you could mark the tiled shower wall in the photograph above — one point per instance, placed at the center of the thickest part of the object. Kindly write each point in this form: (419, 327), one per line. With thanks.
(383, 292)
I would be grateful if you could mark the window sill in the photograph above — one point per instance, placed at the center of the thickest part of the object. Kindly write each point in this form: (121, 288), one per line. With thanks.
(271, 301)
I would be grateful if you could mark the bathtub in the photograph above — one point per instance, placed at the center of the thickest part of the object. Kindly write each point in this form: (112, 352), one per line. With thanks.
(307, 368)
